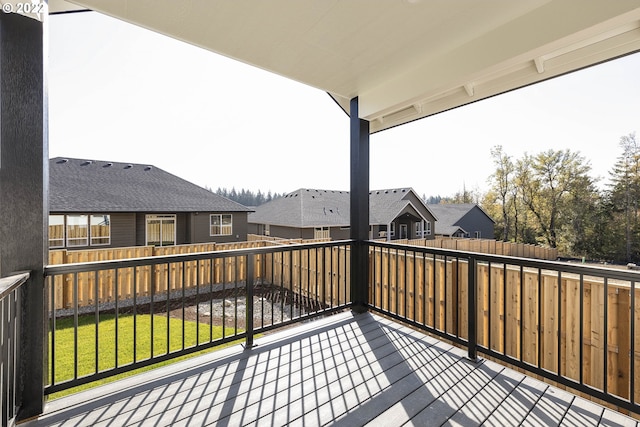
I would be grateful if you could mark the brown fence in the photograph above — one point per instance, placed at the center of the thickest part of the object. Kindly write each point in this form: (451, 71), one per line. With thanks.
(518, 317)
(486, 246)
(295, 268)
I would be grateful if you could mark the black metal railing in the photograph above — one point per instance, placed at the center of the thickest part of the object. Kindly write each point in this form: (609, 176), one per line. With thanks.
(570, 323)
(110, 317)
(10, 333)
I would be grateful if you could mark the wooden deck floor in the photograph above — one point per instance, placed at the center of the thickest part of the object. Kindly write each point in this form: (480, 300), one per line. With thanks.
(346, 370)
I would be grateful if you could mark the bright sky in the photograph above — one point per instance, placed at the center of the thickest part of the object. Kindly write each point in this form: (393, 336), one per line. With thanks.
(121, 93)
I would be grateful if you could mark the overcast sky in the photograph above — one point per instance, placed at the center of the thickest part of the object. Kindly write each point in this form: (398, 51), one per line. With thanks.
(121, 93)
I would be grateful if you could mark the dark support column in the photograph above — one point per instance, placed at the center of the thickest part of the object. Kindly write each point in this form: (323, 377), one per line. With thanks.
(23, 191)
(359, 208)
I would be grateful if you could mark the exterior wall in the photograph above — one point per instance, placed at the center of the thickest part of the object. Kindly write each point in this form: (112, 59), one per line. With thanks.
(339, 233)
(123, 230)
(476, 220)
(288, 232)
(199, 228)
(140, 229)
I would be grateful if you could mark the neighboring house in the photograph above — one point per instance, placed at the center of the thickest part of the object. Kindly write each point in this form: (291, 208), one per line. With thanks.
(309, 213)
(462, 220)
(99, 204)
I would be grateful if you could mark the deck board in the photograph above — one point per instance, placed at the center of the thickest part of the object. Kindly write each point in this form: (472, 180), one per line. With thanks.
(347, 370)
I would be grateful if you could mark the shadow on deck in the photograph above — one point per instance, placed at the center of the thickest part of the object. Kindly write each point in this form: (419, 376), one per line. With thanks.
(346, 369)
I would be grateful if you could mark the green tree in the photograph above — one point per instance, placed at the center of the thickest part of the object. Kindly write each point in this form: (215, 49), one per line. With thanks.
(623, 199)
(502, 191)
(550, 183)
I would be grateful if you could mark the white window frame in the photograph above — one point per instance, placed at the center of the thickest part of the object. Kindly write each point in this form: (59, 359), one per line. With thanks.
(478, 234)
(61, 240)
(225, 229)
(106, 218)
(160, 218)
(321, 233)
(392, 231)
(427, 228)
(82, 223)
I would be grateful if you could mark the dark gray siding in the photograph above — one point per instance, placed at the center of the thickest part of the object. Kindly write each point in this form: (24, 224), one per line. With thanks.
(140, 229)
(475, 221)
(288, 232)
(339, 233)
(123, 230)
(199, 231)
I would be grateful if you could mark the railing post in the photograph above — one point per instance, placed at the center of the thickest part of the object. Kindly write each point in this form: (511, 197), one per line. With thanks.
(359, 208)
(472, 309)
(251, 259)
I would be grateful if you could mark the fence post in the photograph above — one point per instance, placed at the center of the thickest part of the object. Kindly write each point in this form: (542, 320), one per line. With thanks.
(250, 283)
(472, 309)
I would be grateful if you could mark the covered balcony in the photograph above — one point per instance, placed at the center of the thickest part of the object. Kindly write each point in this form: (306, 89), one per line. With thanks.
(401, 334)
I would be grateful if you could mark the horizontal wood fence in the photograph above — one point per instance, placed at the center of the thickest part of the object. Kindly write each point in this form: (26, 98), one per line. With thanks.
(485, 246)
(530, 315)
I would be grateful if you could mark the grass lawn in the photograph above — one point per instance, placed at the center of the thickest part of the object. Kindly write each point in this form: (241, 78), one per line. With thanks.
(106, 354)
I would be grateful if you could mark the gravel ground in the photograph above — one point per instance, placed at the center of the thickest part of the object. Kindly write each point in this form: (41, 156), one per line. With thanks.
(198, 307)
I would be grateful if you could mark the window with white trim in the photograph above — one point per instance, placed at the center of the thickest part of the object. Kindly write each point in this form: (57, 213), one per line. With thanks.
(56, 231)
(77, 230)
(393, 229)
(478, 234)
(161, 230)
(427, 228)
(418, 229)
(100, 232)
(321, 233)
(220, 224)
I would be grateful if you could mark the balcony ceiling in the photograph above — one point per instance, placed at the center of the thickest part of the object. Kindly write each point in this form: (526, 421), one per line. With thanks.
(403, 59)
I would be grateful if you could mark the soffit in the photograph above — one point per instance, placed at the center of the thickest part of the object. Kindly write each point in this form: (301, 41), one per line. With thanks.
(403, 59)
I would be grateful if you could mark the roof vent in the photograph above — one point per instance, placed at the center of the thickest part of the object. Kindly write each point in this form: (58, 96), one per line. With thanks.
(106, 165)
(62, 161)
(148, 168)
(86, 163)
(129, 166)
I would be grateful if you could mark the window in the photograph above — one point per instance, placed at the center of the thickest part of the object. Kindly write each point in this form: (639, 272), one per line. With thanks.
(77, 230)
(477, 234)
(418, 232)
(56, 231)
(393, 229)
(161, 230)
(100, 230)
(220, 225)
(321, 233)
(267, 229)
(427, 228)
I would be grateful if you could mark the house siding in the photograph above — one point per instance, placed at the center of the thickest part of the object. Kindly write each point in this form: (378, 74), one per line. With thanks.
(123, 230)
(199, 232)
(475, 220)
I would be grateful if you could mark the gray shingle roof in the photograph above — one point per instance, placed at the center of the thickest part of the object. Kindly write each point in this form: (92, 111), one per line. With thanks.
(307, 207)
(77, 185)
